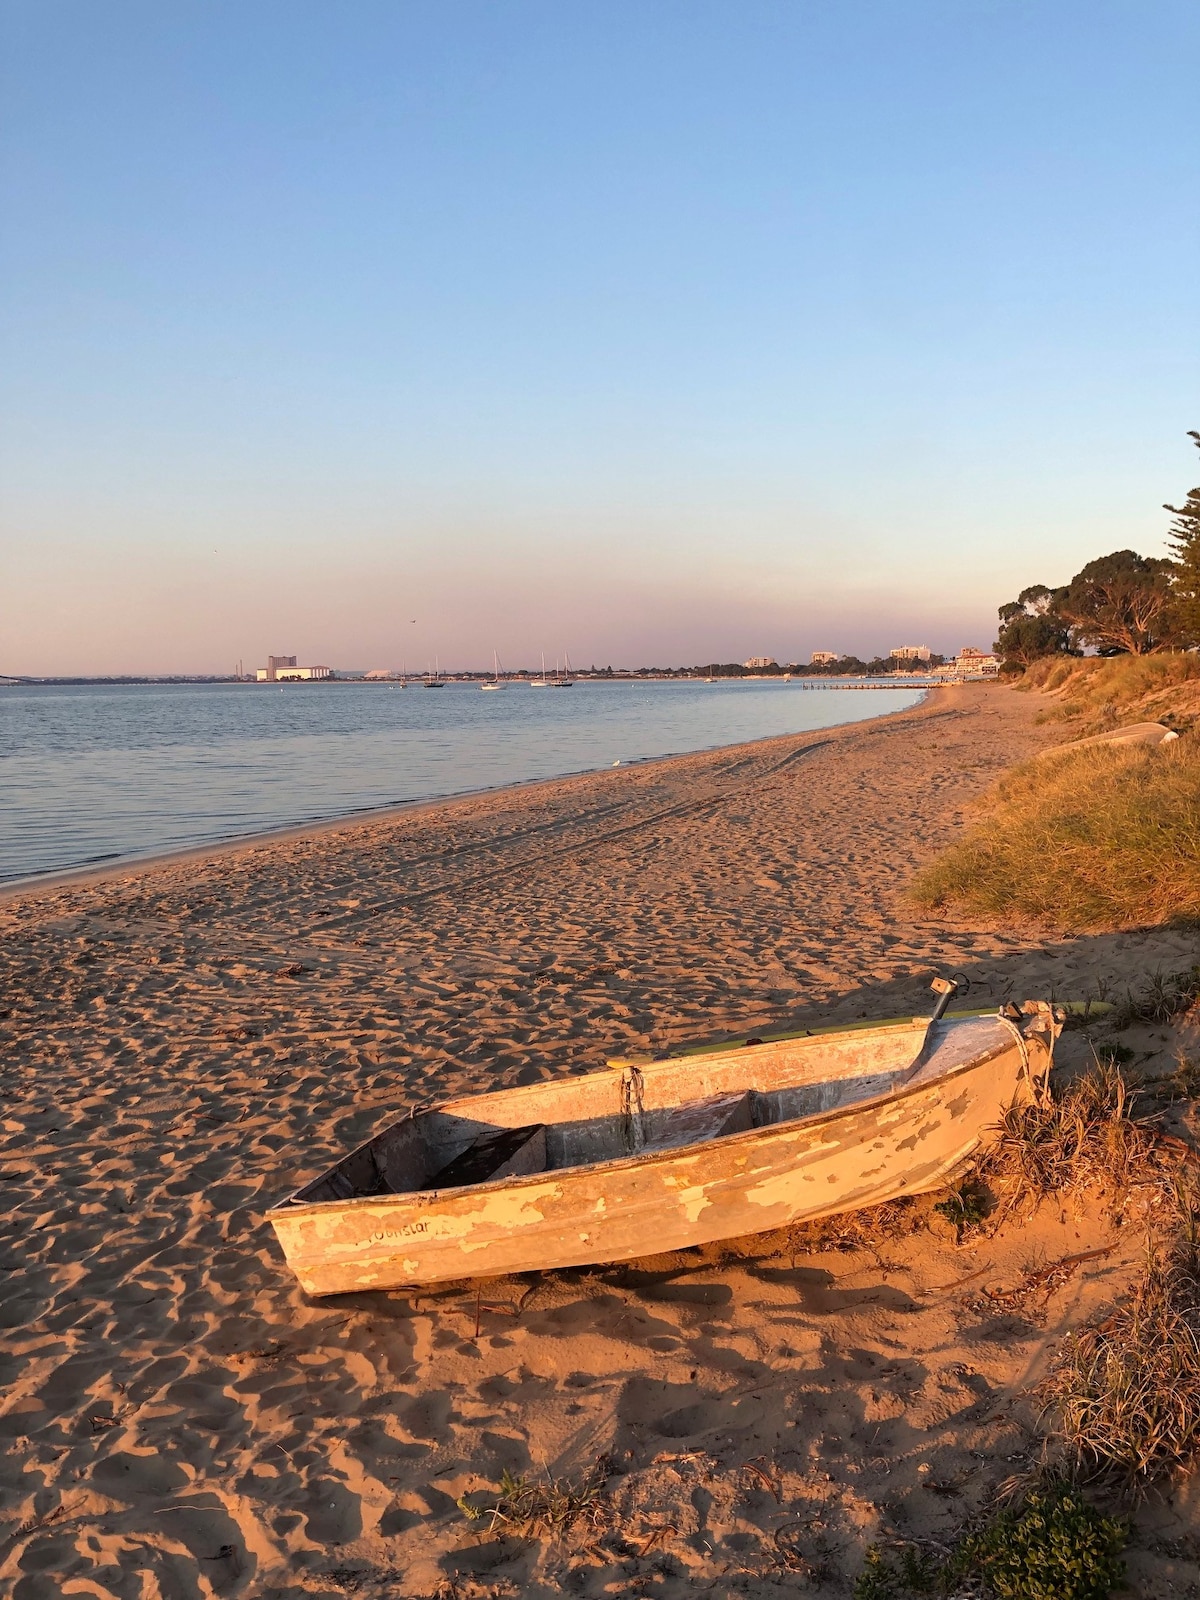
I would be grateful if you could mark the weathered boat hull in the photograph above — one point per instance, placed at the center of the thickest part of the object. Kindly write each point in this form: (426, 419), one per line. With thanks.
(902, 1141)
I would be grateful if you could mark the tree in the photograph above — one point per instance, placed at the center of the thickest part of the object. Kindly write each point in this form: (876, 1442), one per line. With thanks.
(1031, 628)
(1184, 535)
(1121, 604)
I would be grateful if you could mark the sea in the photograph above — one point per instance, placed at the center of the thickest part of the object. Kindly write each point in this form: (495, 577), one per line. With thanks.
(97, 773)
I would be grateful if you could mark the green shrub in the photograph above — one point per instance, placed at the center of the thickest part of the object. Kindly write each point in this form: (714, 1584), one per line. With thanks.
(965, 1207)
(1055, 1546)
(912, 1572)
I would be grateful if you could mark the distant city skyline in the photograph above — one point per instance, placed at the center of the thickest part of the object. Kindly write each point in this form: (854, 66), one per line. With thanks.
(658, 333)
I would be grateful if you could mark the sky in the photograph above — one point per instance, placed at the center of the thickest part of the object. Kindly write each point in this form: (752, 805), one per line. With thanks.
(660, 333)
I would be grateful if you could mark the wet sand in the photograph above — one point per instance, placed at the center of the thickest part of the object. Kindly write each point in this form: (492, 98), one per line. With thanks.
(185, 1042)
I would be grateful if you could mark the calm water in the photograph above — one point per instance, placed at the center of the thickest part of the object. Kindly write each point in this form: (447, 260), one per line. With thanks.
(94, 773)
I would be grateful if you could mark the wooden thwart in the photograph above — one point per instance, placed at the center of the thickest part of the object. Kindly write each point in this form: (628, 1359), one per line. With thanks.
(503, 1153)
(704, 1120)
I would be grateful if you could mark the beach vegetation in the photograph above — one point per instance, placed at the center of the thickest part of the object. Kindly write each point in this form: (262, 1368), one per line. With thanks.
(1160, 997)
(1104, 693)
(899, 1574)
(1086, 1130)
(530, 1508)
(1124, 1392)
(1119, 604)
(1031, 629)
(1052, 1544)
(1095, 839)
(966, 1206)
(1184, 536)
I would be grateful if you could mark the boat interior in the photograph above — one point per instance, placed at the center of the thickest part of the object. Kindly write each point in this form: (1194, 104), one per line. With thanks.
(644, 1110)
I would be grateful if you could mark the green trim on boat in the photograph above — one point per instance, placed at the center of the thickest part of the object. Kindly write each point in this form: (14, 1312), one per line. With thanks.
(1075, 1007)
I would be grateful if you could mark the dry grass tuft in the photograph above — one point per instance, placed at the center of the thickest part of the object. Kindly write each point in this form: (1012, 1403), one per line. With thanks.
(1126, 1392)
(532, 1508)
(851, 1231)
(1101, 838)
(1161, 997)
(1081, 1133)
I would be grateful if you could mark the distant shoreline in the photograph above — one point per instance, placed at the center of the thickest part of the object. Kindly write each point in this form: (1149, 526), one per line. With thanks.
(523, 675)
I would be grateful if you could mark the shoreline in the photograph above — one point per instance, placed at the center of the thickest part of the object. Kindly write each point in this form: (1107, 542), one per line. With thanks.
(235, 844)
(184, 1045)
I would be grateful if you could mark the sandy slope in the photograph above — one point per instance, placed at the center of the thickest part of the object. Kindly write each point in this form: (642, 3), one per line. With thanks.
(182, 1044)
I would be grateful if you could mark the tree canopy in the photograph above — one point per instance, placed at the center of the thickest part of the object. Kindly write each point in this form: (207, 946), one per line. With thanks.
(1120, 604)
(1031, 628)
(1184, 536)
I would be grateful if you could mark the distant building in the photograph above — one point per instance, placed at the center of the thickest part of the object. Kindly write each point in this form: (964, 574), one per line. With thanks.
(756, 663)
(912, 652)
(283, 669)
(973, 663)
(823, 658)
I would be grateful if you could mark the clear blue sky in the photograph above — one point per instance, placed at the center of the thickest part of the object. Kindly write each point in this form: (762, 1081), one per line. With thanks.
(665, 331)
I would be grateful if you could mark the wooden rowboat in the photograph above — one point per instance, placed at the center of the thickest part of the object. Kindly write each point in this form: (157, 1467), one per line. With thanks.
(657, 1156)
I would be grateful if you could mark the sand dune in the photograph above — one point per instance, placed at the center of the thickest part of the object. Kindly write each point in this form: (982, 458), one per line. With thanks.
(183, 1043)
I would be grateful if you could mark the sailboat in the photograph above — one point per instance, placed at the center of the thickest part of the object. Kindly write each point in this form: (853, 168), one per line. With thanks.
(496, 681)
(436, 682)
(560, 680)
(543, 682)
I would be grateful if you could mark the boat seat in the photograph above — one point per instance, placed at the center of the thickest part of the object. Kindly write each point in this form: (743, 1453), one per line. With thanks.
(498, 1153)
(698, 1121)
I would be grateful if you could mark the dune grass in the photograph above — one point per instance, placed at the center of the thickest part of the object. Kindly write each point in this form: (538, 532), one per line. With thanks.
(1083, 1131)
(1095, 839)
(1126, 1391)
(1115, 690)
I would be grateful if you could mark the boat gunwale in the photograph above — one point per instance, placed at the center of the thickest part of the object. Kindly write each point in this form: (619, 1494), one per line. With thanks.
(689, 1052)
(425, 1197)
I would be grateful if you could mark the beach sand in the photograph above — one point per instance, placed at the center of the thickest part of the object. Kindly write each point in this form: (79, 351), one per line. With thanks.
(184, 1043)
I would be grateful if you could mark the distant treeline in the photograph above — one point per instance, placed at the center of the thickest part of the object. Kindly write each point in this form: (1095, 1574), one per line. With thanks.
(843, 667)
(126, 678)
(1119, 604)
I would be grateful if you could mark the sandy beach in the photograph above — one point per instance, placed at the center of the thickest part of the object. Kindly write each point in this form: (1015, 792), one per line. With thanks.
(183, 1043)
